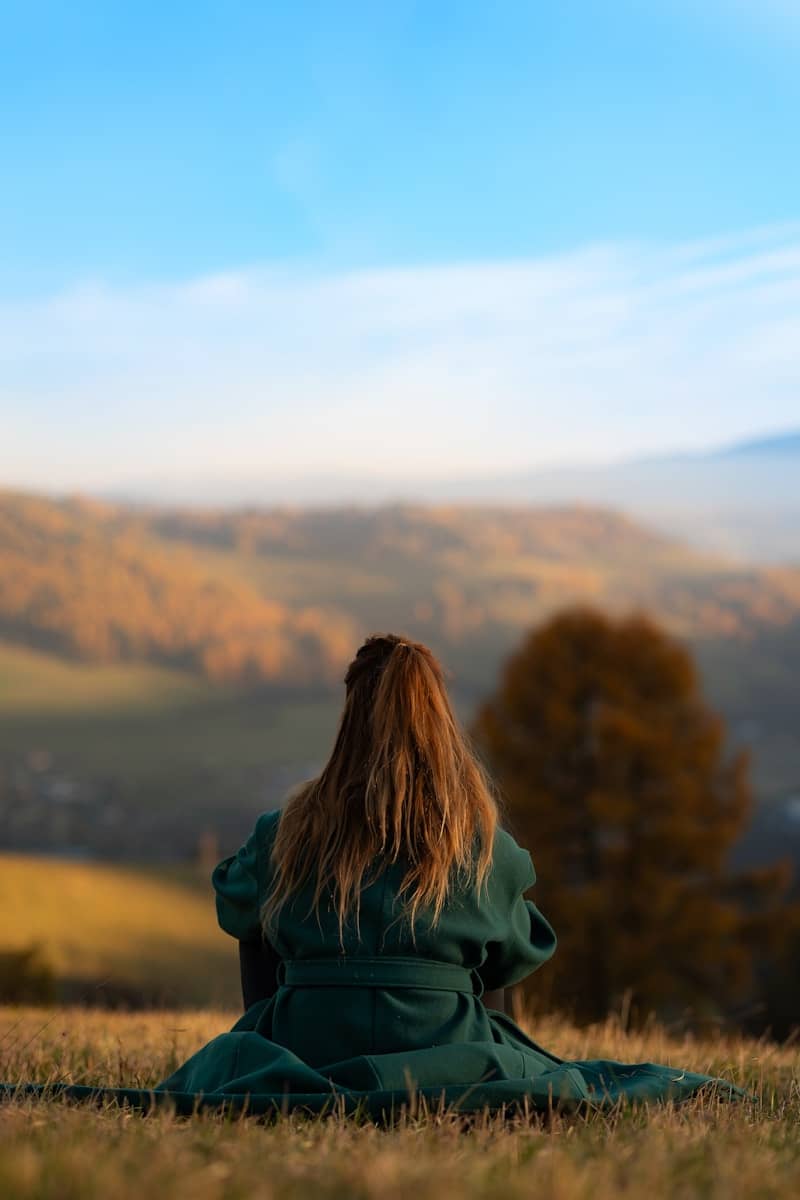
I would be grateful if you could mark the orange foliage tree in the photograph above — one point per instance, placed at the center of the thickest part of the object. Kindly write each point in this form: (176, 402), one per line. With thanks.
(615, 775)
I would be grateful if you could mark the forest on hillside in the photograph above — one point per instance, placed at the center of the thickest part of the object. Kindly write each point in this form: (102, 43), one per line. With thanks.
(281, 596)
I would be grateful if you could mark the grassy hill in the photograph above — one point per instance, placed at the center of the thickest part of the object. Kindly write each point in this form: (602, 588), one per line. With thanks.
(152, 933)
(703, 1151)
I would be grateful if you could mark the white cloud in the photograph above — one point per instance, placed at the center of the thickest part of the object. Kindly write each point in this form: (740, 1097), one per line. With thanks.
(438, 370)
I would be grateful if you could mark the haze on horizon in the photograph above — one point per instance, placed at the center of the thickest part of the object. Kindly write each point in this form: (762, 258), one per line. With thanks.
(408, 244)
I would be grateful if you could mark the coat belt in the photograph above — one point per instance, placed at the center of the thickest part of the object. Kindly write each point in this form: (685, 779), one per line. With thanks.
(378, 973)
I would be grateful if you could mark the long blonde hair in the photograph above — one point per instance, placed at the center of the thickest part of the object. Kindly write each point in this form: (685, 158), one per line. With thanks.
(401, 783)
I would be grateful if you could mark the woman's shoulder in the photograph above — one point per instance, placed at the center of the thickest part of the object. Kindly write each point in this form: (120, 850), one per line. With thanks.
(240, 881)
(267, 825)
(251, 859)
(262, 840)
(512, 865)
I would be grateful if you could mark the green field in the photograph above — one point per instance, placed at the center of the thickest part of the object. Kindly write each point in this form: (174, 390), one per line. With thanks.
(154, 933)
(33, 682)
(706, 1149)
(139, 721)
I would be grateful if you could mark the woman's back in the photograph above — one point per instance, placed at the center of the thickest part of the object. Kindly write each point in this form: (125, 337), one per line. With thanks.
(378, 988)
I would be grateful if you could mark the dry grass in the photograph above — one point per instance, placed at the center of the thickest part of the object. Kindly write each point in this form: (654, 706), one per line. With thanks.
(56, 1151)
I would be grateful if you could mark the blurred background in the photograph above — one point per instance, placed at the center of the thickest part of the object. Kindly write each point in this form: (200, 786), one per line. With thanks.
(476, 322)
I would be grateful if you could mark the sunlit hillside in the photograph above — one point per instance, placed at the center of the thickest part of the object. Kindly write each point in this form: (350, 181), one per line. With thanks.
(151, 934)
(94, 584)
(280, 596)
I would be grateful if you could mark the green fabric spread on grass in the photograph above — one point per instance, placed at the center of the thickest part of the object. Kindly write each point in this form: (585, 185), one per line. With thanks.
(385, 1016)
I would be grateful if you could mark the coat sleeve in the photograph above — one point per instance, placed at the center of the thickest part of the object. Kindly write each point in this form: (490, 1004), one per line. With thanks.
(522, 938)
(240, 883)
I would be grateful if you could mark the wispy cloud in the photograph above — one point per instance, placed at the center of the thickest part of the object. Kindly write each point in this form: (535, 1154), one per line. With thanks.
(438, 370)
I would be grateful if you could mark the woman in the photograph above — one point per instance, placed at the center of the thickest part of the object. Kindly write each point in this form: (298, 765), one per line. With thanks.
(380, 915)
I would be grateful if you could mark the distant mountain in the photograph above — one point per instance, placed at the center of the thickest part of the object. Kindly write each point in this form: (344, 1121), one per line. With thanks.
(774, 444)
(785, 443)
(741, 500)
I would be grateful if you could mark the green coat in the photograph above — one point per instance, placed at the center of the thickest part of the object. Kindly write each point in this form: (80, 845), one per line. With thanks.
(389, 1013)
(393, 1015)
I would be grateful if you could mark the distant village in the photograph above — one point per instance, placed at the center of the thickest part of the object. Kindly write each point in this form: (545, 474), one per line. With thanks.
(44, 809)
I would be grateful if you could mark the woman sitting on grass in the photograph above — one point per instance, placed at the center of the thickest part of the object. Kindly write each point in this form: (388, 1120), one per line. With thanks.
(380, 915)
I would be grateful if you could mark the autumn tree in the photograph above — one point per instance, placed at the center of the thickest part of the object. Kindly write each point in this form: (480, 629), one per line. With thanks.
(615, 775)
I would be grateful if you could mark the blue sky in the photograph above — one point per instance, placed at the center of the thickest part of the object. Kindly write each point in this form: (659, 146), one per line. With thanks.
(250, 236)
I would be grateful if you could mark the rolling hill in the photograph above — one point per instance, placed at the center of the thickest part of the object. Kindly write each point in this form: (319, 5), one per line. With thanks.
(131, 931)
(280, 596)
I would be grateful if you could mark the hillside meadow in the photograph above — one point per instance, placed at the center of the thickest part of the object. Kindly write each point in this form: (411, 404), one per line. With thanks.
(150, 933)
(57, 1151)
(139, 720)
